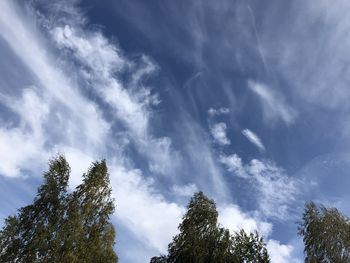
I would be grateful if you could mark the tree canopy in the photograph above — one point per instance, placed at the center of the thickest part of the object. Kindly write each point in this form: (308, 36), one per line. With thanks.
(203, 240)
(326, 234)
(249, 247)
(60, 226)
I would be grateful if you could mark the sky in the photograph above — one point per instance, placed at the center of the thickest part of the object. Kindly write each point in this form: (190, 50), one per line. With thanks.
(246, 101)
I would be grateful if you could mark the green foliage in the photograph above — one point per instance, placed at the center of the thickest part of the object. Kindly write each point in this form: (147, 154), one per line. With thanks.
(92, 200)
(250, 248)
(202, 240)
(326, 234)
(63, 227)
(161, 259)
(199, 236)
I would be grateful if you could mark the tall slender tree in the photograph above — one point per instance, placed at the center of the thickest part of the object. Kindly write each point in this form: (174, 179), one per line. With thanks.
(93, 201)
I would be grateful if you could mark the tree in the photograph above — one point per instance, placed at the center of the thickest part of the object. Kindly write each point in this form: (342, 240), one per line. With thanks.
(161, 259)
(202, 240)
(63, 227)
(326, 234)
(31, 235)
(199, 236)
(90, 210)
(250, 248)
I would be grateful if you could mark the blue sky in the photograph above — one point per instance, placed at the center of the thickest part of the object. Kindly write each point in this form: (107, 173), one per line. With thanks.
(245, 100)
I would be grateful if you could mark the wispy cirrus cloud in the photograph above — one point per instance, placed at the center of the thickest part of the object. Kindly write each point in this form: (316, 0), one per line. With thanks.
(274, 104)
(276, 190)
(27, 136)
(254, 139)
(184, 190)
(59, 96)
(130, 101)
(276, 193)
(63, 119)
(90, 101)
(234, 164)
(310, 59)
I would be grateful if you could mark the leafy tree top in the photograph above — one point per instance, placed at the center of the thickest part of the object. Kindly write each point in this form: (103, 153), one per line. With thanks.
(203, 240)
(61, 226)
(326, 234)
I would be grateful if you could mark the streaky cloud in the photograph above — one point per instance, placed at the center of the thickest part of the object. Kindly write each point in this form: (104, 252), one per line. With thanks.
(274, 105)
(276, 191)
(253, 138)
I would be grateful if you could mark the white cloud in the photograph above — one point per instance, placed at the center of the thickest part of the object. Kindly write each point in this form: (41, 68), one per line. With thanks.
(184, 190)
(79, 162)
(147, 214)
(26, 42)
(91, 47)
(163, 158)
(218, 132)
(29, 102)
(231, 217)
(253, 138)
(275, 190)
(316, 68)
(204, 169)
(219, 111)
(274, 104)
(234, 164)
(280, 253)
(102, 60)
(27, 137)
(131, 102)
(12, 161)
